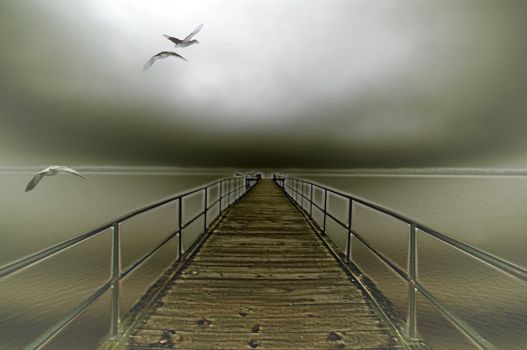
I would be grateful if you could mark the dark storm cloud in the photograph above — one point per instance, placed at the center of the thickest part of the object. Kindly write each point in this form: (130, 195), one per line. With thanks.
(446, 88)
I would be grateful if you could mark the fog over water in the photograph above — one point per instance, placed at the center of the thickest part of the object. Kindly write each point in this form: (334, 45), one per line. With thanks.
(324, 84)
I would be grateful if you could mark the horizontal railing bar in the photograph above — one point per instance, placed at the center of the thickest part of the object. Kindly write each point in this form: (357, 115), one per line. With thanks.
(462, 325)
(42, 339)
(381, 256)
(313, 202)
(337, 220)
(318, 206)
(499, 263)
(162, 202)
(148, 255)
(162, 243)
(366, 203)
(29, 260)
(234, 190)
(213, 203)
(482, 255)
(45, 253)
(298, 192)
(188, 223)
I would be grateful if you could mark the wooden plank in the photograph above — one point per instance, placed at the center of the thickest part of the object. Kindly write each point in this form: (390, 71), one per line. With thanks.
(307, 340)
(273, 325)
(266, 290)
(263, 280)
(267, 311)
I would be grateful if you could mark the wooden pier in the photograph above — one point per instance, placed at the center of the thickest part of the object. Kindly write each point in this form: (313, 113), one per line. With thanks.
(262, 280)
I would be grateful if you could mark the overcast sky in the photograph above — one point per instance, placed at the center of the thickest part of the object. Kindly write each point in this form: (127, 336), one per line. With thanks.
(275, 83)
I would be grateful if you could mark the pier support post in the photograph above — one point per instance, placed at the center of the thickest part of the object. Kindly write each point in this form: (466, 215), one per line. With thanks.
(229, 192)
(221, 194)
(325, 210)
(412, 299)
(302, 195)
(205, 205)
(311, 201)
(116, 277)
(350, 234)
(180, 228)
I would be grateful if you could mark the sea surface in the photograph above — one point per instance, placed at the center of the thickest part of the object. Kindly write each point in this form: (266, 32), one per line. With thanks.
(64, 206)
(489, 212)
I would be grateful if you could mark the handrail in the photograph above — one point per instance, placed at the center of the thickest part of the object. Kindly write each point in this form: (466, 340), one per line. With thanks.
(22, 263)
(229, 190)
(499, 263)
(292, 184)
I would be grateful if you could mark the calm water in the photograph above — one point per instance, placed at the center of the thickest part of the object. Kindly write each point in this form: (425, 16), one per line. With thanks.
(486, 211)
(62, 207)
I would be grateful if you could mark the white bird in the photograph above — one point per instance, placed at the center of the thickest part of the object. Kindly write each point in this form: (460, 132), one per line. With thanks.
(161, 55)
(187, 41)
(52, 170)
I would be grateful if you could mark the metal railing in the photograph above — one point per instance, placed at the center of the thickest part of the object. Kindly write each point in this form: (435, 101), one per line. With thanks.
(299, 190)
(229, 189)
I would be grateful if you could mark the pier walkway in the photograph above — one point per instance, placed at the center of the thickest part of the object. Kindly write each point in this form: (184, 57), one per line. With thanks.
(263, 279)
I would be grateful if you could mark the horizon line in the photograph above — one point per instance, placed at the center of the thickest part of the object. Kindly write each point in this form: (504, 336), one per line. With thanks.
(342, 171)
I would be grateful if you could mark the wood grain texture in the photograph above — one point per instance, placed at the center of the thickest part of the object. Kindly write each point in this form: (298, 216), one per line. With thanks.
(262, 280)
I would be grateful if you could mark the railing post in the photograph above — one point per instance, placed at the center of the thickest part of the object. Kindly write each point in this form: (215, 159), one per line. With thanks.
(229, 192)
(221, 193)
(302, 194)
(325, 210)
(311, 201)
(116, 277)
(180, 229)
(297, 192)
(350, 234)
(412, 300)
(205, 204)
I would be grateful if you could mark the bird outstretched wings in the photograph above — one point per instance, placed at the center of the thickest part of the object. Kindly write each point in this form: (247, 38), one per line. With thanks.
(187, 39)
(52, 170)
(194, 32)
(161, 55)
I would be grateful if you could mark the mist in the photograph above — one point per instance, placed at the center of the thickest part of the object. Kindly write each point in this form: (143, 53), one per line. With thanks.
(324, 84)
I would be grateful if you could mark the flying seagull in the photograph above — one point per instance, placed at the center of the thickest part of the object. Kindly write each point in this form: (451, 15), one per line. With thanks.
(162, 54)
(187, 41)
(52, 170)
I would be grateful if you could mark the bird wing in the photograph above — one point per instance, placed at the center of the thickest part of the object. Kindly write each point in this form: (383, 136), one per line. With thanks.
(34, 181)
(161, 55)
(150, 62)
(174, 40)
(198, 28)
(71, 171)
(165, 54)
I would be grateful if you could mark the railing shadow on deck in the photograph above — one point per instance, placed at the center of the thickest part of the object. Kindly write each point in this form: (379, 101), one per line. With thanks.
(229, 190)
(301, 191)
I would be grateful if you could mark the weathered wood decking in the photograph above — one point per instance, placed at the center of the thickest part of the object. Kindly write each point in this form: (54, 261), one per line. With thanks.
(262, 280)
